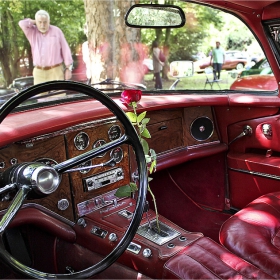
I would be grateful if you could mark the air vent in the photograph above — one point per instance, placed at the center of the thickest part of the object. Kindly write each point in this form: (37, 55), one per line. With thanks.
(202, 128)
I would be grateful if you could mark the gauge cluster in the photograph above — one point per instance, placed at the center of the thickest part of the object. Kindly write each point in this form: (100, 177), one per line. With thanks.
(92, 178)
(106, 171)
(82, 141)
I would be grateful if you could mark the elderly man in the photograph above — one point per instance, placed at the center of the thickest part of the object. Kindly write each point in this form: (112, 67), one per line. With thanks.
(49, 49)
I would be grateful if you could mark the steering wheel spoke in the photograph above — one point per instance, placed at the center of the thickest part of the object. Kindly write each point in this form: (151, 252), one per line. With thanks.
(14, 207)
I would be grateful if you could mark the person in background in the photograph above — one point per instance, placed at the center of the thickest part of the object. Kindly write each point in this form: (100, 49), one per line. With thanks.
(85, 53)
(157, 64)
(49, 49)
(218, 58)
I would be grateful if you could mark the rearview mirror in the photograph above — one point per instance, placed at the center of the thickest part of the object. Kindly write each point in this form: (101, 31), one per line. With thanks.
(155, 16)
(181, 69)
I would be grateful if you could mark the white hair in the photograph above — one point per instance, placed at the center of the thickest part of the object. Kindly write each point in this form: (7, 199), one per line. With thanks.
(42, 13)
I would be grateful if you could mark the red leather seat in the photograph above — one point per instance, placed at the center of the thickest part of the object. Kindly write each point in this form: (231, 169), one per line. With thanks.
(253, 233)
(206, 259)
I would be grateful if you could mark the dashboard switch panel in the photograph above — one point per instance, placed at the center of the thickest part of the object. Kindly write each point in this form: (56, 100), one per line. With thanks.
(99, 232)
(134, 248)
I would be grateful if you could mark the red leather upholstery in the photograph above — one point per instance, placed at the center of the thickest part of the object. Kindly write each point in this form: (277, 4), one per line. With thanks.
(205, 259)
(253, 233)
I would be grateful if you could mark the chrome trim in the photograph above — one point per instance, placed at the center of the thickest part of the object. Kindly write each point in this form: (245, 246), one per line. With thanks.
(77, 145)
(112, 156)
(63, 204)
(260, 174)
(70, 129)
(204, 144)
(150, 232)
(110, 130)
(267, 129)
(213, 128)
(14, 207)
(95, 146)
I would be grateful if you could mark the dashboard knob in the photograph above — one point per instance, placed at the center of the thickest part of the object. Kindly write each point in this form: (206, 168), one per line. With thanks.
(113, 237)
(81, 222)
(147, 252)
(63, 204)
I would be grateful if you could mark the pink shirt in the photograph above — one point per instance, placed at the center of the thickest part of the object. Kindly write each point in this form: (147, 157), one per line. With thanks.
(48, 49)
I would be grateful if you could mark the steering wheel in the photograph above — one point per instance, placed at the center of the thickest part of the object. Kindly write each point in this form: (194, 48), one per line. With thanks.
(45, 180)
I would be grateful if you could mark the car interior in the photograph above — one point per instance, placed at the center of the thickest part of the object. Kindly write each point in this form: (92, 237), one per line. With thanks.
(211, 209)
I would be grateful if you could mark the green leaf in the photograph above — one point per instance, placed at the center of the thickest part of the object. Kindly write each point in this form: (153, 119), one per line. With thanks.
(146, 133)
(150, 179)
(141, 128)
(145, 120)
(153, 154)
(153, 167)
(148, 158)
(145, 146)
(132, 117)
(141, 116)
(133, 187)
(123, 191)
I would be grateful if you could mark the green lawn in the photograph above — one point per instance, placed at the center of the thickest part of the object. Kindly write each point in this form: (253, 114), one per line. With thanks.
(197, 81)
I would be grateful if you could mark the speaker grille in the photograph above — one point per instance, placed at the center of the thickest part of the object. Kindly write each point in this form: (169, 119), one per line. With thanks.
(202, 128)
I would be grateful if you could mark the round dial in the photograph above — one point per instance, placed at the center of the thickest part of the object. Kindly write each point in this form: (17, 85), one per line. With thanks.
(81, 141)
(47, 161)
(99, 143)
(85, 164)
(114, 132)
(117, 154)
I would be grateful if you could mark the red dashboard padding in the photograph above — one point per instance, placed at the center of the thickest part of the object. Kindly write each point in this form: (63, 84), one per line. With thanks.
(253, 233)
(33, 216)
(205, 259)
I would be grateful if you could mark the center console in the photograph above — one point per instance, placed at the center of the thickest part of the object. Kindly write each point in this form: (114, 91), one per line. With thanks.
(154, 244)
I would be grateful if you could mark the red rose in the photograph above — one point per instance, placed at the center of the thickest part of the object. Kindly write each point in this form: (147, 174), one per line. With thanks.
(130, 95)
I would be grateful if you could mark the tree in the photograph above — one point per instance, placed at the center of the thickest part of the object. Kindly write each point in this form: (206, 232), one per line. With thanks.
(115, 50)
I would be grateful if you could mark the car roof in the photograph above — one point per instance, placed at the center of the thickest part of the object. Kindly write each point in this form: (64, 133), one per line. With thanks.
(268, 8)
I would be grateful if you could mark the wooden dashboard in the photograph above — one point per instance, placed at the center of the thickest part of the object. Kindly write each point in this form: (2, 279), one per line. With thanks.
(175, 132)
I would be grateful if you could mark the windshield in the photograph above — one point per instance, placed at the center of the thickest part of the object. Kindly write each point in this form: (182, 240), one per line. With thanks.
(89, 42)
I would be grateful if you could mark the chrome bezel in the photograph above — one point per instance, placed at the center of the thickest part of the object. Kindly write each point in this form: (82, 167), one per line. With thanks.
(42, 160)
(94, 146)
(113, 127)
(87, 140)
(85, 171)
(201, 117)
(114, 158)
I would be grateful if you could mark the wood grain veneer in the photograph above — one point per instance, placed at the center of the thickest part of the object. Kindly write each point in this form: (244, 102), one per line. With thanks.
(170, 129)
(49, 148)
